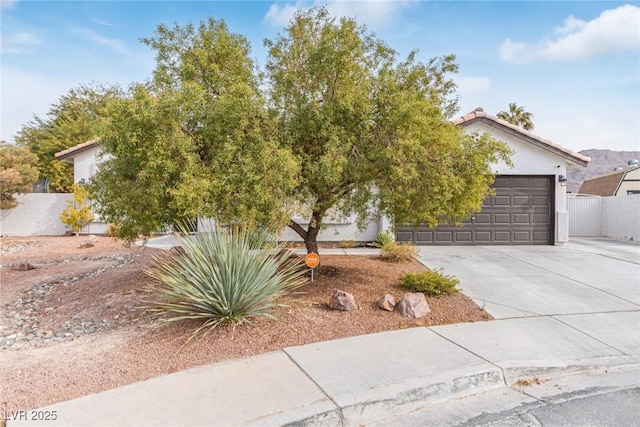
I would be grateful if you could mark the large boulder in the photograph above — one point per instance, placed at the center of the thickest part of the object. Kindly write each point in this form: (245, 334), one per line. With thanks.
(341, 300)
(414, 304)
(387, 302)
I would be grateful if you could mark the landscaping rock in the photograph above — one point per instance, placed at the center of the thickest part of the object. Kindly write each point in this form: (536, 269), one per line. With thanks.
(387, 302)
(86, 244)
(341, 300)
(414, 304)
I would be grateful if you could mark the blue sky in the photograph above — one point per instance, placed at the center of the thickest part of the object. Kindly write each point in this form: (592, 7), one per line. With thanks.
(574, 64)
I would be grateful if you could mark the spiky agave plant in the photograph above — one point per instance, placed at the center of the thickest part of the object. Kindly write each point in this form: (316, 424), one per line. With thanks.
(227, 276)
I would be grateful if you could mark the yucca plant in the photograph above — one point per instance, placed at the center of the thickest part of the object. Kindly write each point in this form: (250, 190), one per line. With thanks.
(224, 277)
(383, 237)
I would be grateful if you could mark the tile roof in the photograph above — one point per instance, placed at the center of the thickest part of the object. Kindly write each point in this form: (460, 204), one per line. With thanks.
(65, 154)
(480, 115)
(604, 185)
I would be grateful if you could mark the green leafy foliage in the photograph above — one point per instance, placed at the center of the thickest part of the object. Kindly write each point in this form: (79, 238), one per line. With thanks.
(433, 283)
(17, 173)
(398, 252)
(73, 119)
(383, 238)
(222, 278)
(335, 125)
(77, 214)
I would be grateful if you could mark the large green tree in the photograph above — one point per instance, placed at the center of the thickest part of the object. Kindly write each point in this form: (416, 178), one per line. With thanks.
(517, 116)
(337, 126)
(196, 140)
(73, 119)
(371, 132)
(17, 173)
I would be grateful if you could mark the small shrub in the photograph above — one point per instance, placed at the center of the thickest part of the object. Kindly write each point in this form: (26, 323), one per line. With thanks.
(383, 238)
(431, 283)
(221, 277)
(77, 214)
(346, 244)
(398, 252)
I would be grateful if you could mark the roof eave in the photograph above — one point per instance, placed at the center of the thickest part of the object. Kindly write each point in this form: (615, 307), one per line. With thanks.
(518, 134)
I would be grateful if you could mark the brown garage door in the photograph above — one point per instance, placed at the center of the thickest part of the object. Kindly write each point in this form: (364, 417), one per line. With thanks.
(519, 214)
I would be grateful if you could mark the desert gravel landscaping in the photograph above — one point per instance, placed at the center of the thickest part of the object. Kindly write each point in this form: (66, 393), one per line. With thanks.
(73, 319)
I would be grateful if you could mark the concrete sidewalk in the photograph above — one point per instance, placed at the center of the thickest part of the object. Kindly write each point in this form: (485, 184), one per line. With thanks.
(559, 310)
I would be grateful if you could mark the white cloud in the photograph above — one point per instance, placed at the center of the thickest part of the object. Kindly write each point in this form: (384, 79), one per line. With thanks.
(472, 84)
(92, 36)
(615, 30)
(280, 14)
(18, 43)
(373, 12)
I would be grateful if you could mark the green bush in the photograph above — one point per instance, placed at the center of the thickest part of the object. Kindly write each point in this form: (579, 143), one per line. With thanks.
(383, 238)
(398, 252)
(432, 283)
(222, 278)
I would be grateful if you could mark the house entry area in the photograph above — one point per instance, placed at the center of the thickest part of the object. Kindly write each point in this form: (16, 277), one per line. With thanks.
(520, 213)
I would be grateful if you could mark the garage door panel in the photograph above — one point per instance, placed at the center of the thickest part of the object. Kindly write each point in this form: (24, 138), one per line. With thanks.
(521, 236)
(541, 218)
(521, 183)
(464, 236)
(483, 218)
(424, 236)
(519, 213)
(521, 200)
(502, 201)
(520, 218)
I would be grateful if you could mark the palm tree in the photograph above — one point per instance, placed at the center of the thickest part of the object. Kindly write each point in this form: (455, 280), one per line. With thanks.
(517, 116)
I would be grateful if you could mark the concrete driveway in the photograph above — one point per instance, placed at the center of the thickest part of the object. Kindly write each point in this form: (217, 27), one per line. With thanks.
(584, 276)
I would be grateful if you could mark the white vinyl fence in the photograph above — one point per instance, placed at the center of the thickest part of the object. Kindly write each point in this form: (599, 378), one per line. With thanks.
(617, 217)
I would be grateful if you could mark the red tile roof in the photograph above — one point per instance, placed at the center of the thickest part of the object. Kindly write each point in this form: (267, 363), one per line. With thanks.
(479, 115)
(65, 154)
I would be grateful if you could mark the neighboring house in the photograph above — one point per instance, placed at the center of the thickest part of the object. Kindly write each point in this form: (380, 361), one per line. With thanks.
(529, 206)
(617, 183)
(86, 159)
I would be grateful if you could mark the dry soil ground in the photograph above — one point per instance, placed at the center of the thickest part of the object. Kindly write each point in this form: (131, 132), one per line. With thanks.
(75, 324)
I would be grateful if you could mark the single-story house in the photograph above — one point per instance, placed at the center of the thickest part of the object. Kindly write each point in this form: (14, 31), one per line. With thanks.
(617, 183)
(529, 206)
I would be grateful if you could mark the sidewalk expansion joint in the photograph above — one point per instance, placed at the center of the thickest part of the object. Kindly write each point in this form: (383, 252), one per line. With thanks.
(504, 374)
(339, 409)
(588, 335)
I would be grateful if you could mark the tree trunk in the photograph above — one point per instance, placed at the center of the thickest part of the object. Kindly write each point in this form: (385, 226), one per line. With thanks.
(309, 236)
(311, 239)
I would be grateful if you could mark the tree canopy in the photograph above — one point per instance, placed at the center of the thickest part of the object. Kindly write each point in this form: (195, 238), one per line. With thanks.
(17, 173)
(73, 119)
(517, 116)
(335, 124)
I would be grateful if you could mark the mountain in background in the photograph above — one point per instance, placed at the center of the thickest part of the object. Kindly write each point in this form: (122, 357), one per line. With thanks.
(602, 162)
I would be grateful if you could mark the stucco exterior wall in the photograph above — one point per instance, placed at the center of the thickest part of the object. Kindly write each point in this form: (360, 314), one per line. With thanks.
(85, 164)
(620, 217)
(531, 160)
(37, 214)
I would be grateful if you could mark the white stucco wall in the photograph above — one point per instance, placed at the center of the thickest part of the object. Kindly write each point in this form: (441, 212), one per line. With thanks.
(620, 217)
(85, 163)
(531, 160)
(37, 214)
